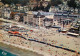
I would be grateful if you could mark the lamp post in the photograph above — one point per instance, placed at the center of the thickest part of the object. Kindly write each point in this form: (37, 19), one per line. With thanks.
(39, 18)
(79, 30)
(39, 21)
(63, 24)
(2, 11)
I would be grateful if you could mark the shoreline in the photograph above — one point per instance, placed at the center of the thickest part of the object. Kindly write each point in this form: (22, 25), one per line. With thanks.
(24, 48)
(8, 52)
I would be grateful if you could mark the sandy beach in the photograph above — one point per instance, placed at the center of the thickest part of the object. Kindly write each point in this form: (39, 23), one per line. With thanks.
(17, 51)
(49, 36)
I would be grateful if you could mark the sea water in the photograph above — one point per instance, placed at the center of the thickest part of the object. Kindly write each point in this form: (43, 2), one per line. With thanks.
(5, 53)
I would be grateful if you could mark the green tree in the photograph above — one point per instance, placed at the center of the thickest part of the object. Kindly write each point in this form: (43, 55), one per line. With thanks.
(78, 7)
(10, 1)
(72, 3)
(23, 2)
(56, 2)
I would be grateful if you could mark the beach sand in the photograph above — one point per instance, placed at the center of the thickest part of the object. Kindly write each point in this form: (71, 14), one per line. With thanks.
(17, 51)
(50, 36)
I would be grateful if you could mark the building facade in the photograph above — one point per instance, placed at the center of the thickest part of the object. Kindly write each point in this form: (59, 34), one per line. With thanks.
(38, 19)
(6, 12)
(19, 17)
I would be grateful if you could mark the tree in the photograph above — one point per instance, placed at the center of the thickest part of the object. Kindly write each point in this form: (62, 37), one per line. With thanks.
(22, 2)
(56, 2)
(6, 1)
(10, 1)
(47, 8)
(78, 7)
(72, 4)
(41, 7)
(38, 1)
(15, 1)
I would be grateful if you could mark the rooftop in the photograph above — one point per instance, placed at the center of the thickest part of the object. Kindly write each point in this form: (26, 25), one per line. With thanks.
(41, 12)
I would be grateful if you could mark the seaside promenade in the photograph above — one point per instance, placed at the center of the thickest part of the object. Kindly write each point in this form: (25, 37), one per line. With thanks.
(45, 35)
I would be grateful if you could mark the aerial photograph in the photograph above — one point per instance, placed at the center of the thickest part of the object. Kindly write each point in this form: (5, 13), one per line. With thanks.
(39, 27)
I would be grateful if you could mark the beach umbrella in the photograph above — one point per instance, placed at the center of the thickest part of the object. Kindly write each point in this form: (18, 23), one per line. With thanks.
(31, 30)
(6, 5)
